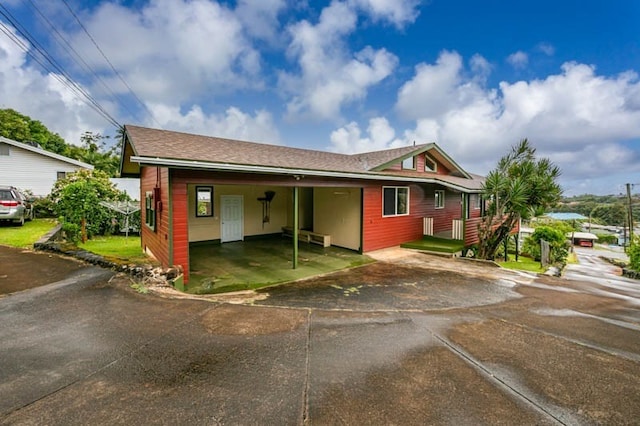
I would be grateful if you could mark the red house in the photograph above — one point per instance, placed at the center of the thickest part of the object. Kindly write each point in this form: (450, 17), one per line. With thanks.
(200, 188)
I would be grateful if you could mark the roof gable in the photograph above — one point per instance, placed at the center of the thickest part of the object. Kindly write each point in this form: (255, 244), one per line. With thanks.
(45, 153)
(435, 152)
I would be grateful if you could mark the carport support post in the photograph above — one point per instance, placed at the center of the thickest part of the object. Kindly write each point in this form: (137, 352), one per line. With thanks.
(295, 227)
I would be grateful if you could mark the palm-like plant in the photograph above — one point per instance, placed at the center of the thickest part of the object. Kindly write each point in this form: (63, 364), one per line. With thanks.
(518, 188)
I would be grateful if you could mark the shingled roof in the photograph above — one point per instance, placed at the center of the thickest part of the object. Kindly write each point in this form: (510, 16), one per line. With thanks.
(163, 147)
(155, 143)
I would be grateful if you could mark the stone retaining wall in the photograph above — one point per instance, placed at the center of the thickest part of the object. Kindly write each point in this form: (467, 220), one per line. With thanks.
(147, 274)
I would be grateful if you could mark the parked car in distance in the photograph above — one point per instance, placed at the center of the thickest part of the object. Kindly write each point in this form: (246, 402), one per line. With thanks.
(14, 205)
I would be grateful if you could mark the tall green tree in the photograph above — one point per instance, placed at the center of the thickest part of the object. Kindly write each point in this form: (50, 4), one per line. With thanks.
(22, 128)
(520, 187)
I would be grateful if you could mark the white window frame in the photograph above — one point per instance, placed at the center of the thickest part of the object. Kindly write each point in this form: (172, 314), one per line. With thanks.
(396, 188)
(438, 201)
(413, 163)
(477, 205)
(428, 159)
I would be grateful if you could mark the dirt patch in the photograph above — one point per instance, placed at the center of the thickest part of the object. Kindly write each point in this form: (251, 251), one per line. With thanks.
(24, 269)
(247, 320)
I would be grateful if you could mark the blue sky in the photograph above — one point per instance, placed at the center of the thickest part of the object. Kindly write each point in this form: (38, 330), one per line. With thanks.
(349, 75)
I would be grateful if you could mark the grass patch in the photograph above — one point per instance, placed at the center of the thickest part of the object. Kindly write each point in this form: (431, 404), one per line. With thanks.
(523, 264)
(127, 249)
(441, 245)
(25, 236)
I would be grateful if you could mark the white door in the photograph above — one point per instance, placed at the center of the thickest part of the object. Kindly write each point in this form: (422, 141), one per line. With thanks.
(231, 216)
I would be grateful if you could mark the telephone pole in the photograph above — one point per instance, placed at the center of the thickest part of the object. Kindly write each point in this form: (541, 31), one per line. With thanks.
(630, 221)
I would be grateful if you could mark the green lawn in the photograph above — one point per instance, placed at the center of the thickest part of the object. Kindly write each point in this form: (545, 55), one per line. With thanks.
(523, 264)
(25, 236)
(442, 245)
(127, 249)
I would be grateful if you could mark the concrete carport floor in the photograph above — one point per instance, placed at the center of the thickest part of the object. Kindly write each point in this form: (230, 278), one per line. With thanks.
(412, 339)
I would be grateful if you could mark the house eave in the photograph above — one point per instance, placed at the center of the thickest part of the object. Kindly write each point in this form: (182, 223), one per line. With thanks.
(43, 152)
(228, 167)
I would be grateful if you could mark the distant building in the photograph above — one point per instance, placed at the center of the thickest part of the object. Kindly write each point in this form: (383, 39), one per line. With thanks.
(29, 167)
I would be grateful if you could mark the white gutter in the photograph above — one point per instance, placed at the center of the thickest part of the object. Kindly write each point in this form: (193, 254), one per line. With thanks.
(192, 164)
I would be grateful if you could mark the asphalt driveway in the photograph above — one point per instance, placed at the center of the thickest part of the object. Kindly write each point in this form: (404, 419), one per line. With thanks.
(411, 339)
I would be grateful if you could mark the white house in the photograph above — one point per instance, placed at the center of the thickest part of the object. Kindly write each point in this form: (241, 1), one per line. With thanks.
(33, 168)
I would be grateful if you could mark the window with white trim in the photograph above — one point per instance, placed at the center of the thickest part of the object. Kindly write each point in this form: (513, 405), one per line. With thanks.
(395, 200)
(5, 149)
(409, 163)
(430, 164)
(478, 202)
(439, 199)
(61, 175)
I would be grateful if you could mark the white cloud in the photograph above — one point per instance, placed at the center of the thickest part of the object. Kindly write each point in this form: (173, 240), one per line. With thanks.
(260, 17)
(397, 12)
(577, 118)
(330, 76)
(440, 88)
(173, 50)
(349, 140)
(518, 59)
(42, 96)
(480, 67)
(546, 48)
(233, 124)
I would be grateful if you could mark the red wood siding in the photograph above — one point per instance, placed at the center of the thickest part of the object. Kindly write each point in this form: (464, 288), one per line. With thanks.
(474, 212)
(180, 219)
(443, 218)
(440, 169)
(156, 241)
(419, 162)
(381, 232)
(471, 231)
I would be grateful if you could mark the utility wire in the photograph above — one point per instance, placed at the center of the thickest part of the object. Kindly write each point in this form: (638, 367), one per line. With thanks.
(73, 53)
(54, 68)
(136, 97)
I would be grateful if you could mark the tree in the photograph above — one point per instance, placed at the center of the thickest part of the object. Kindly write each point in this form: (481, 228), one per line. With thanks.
(22, 128)
(94, 149)
(555, 236)
(77, 199)
(634, 254)
(96, 152)
(520, 187)
(610, 214)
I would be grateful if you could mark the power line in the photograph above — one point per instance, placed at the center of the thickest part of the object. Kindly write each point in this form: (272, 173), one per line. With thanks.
(115, 71)
(54, 68)
(73, 53)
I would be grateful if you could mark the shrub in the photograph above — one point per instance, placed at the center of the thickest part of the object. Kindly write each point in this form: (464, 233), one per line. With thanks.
(607, 238)
(44, 207)
(557, 242)
(634, 254)
(78, 197)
